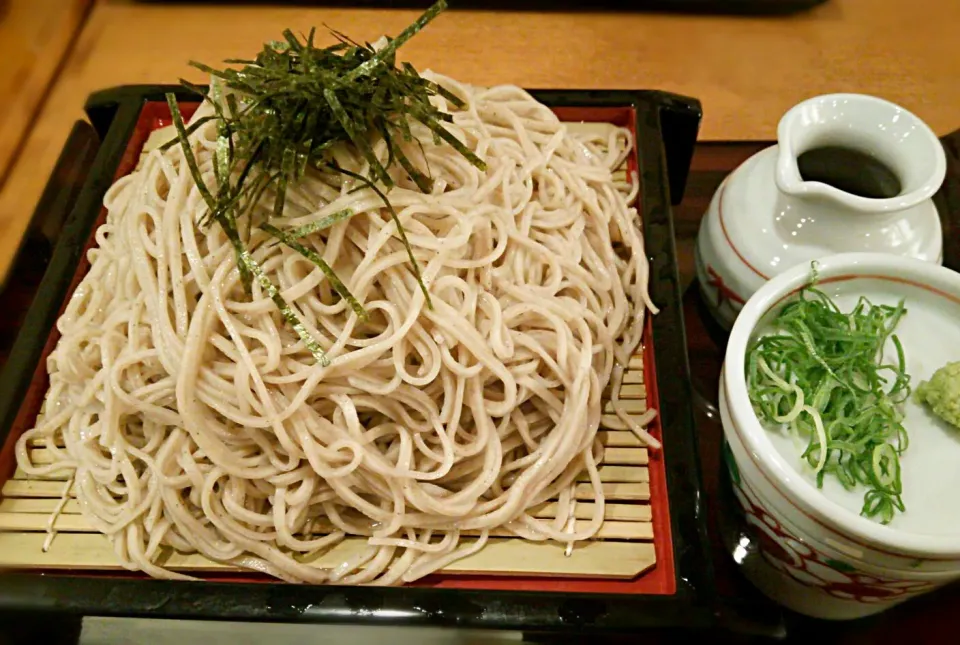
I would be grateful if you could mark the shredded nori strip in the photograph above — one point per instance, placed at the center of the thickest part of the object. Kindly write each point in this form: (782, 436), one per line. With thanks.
(312, 255)
(285, 109)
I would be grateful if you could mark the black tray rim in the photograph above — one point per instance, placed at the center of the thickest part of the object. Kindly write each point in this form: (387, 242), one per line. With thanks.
(667, 127)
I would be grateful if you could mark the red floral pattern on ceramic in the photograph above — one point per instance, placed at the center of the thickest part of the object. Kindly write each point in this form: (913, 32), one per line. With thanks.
(724, 293)
(789, 555)
(710, 279)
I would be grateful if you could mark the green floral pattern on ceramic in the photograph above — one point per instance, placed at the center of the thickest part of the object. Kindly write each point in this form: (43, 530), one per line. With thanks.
(731, 462)
(840, 566)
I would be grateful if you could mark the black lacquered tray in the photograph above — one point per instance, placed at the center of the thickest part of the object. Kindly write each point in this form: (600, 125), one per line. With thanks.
(677, 591)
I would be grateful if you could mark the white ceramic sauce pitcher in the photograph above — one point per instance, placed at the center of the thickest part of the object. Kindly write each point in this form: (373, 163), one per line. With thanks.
(765, 218)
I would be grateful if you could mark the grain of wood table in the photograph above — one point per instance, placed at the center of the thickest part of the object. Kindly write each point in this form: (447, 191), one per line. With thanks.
(35, 35)
(747, 71)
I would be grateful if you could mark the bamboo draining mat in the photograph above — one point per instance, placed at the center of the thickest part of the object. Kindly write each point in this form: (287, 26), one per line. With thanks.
(623, 548)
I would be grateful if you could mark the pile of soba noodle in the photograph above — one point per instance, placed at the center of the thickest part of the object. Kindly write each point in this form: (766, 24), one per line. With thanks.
(190, 416)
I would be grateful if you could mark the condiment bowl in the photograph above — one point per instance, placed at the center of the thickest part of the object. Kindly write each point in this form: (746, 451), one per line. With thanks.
(812, 551)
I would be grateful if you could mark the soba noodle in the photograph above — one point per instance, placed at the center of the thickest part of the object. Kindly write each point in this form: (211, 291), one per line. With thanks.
(190, 416)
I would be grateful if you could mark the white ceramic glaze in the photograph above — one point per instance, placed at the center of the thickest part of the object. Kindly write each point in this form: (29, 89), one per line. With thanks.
(819, 556)
(764, 219)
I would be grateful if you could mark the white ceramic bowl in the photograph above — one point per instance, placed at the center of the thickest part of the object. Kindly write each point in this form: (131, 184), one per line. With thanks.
(819, 556)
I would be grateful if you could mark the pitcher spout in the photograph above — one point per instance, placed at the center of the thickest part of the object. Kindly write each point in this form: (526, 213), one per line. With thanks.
(861, 125)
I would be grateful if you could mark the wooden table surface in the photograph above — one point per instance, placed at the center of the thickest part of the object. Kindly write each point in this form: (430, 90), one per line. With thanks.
(747, 71)
(35, 36)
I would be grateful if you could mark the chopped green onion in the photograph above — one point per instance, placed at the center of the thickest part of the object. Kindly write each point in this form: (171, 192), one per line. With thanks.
(821, 373)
